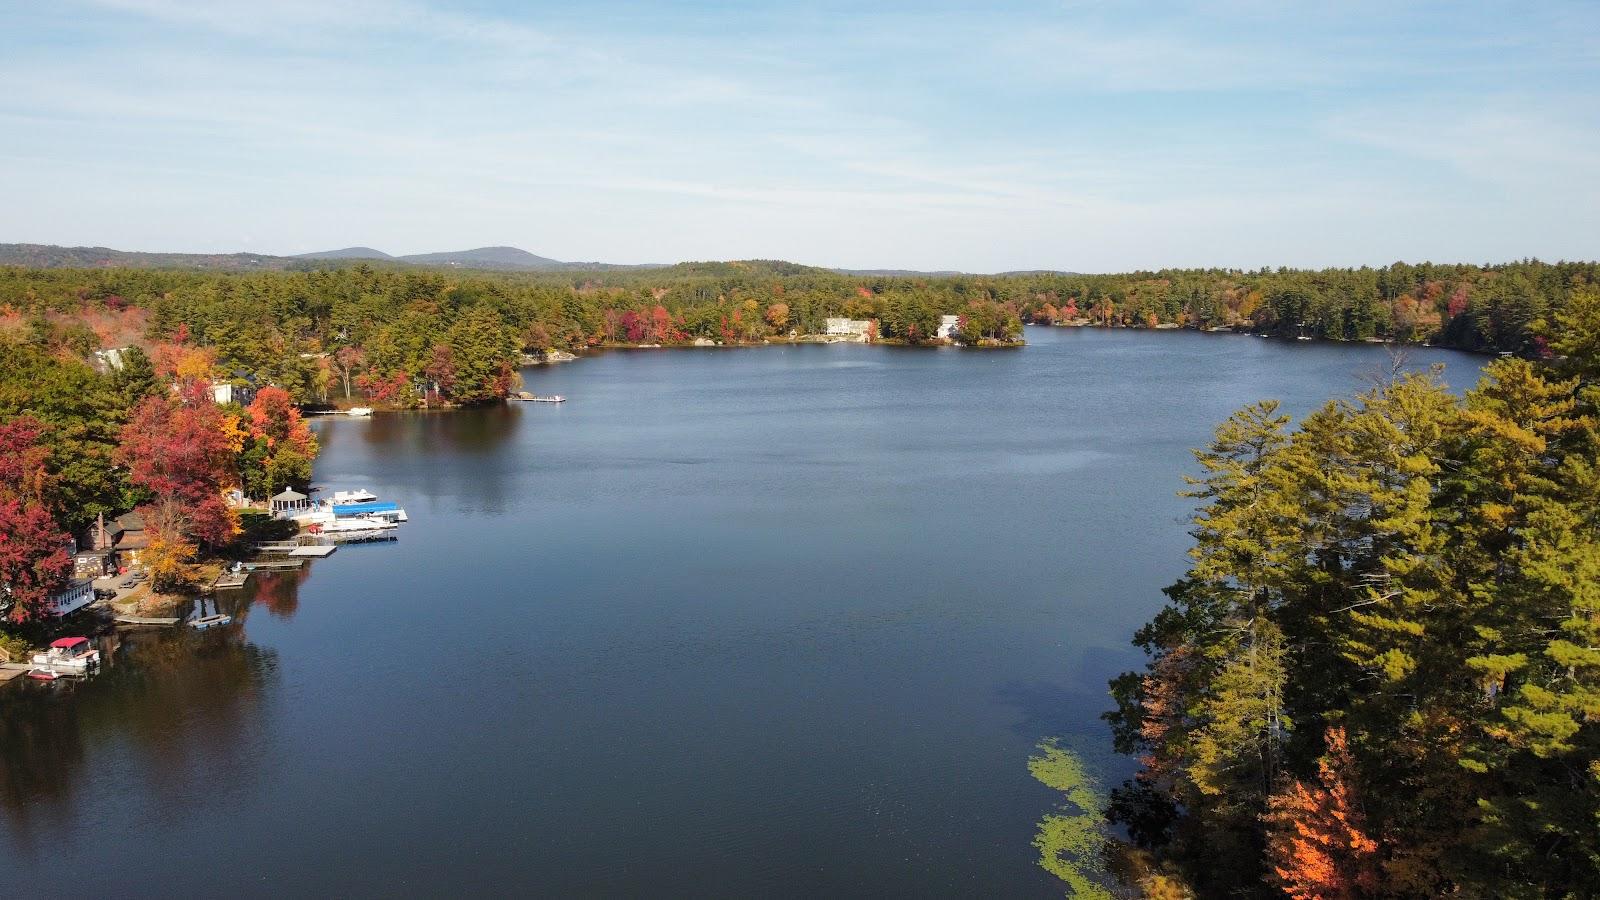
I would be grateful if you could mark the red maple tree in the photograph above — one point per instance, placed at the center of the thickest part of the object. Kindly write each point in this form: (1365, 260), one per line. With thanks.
(34, 562)
(178, 449)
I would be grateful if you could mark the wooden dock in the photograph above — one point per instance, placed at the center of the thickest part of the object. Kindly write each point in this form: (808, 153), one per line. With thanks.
(274, 565)
(314, 551)
(9, 671)
(147, 620)
(230, 580)
(294, 548)
(277, 546)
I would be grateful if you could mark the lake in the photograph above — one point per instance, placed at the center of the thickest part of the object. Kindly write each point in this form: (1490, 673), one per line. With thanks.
(786, 620)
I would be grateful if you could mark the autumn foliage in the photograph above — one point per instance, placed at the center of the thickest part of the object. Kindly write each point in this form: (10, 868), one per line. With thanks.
(279, 447)
(1317, 841)
(178, 451)
(33, 548)
(1421, 568)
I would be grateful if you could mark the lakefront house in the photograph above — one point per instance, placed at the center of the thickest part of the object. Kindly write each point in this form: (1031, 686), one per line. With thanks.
(848, 329)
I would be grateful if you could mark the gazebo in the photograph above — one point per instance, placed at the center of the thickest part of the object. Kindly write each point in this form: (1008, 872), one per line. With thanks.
(289, 504)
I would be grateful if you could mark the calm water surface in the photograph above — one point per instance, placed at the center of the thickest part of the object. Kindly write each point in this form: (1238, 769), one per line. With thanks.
(774, 621)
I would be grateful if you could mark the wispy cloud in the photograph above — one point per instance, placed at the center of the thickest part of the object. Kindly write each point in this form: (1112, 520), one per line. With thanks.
(1089, 135)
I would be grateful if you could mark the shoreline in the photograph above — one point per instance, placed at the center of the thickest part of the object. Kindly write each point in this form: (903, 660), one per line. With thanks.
(560, 357)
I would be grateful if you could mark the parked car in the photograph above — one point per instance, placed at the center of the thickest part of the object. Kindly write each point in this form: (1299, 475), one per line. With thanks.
(128, 583)
(104, 593)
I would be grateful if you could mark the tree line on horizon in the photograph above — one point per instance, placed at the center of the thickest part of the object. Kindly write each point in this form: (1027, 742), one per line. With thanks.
(405, 336)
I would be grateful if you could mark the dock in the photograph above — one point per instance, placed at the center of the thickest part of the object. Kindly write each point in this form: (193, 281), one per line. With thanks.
(230, 580)
(295, 548)
(314, 551)
(274, 565)
(147, 620)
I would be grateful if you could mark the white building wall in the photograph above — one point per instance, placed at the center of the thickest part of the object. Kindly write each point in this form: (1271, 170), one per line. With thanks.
(71, 598)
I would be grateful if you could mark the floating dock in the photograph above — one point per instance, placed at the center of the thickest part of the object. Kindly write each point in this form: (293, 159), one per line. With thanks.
(146, 620)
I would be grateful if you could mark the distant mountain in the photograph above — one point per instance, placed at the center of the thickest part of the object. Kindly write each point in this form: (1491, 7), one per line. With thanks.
(916, 273)
(49, 256)
(487, 258)
(346, 253)
(503, 259)
(895, 273)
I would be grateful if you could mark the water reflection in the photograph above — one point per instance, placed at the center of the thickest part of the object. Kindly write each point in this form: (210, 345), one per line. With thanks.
(279, 591)
(461, 454)
(175, 704)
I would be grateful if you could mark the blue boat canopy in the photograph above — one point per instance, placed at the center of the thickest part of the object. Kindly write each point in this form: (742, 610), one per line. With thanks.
(365, 509)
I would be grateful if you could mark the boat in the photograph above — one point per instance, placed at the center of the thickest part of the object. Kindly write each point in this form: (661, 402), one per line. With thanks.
(74, 654)
(537, 398)
(45, 673)
(211, 621)
(387, 510)
(359, 495)
(359, 411)
(355, 529)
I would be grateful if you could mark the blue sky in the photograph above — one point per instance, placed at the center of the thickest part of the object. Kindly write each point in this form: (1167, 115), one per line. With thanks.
(1092, 136)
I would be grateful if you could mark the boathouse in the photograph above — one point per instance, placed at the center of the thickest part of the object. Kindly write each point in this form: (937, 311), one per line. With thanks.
(948, 326)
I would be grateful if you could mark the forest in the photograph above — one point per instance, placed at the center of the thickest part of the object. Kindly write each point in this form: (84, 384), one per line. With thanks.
(400, 336)
(1380, 676)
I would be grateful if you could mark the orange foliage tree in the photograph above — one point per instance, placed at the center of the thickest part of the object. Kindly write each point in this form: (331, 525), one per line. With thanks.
(1317, 843)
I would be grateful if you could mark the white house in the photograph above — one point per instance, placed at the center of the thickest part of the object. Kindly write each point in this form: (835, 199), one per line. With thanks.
(848, 329)
(73, 597)
(948, 326)
(222, 391)
(111, 360)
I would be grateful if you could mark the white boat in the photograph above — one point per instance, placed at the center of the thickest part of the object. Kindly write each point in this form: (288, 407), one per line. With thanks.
(71, 654)
(526, 397)
(211, 621)
(359, 411)
(359, 495)
(356, 528)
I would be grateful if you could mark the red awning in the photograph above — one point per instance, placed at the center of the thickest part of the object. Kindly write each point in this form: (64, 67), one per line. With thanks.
(69, 642)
